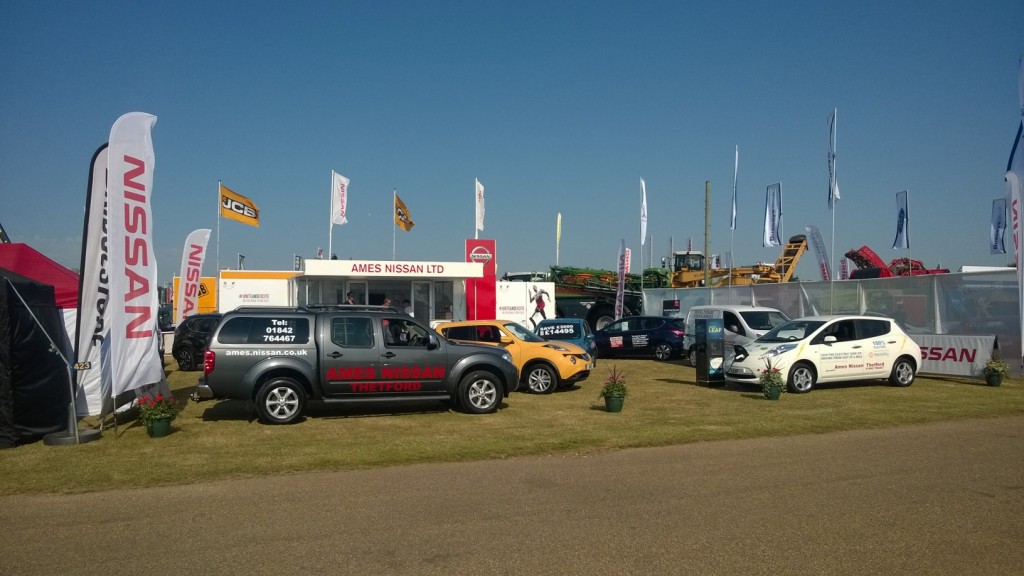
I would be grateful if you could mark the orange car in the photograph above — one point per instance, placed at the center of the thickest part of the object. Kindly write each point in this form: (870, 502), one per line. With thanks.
(543, 364)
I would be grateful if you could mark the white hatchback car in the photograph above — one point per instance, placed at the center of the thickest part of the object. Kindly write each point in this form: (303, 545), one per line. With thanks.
(830, 349)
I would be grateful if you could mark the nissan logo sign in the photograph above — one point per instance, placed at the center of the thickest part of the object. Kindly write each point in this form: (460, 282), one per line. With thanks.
(480, 254)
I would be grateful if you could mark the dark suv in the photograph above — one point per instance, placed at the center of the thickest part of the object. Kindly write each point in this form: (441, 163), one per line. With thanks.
(281, 358)
(191, 337)
(657, 336)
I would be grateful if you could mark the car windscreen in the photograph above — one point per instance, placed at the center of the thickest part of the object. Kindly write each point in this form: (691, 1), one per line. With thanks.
(792, 331)
(522, 333)
(558, 330)
(764, 319)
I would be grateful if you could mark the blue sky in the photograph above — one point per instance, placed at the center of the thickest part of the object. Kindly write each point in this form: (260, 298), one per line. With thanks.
(554, 106)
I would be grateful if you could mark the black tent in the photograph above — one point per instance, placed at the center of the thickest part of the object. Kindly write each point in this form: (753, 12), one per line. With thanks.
(34, 387)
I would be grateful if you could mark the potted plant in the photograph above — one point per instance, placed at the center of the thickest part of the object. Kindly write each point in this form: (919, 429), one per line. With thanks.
(994, 370)
(156, 414)
(614, 390)
(771, 381)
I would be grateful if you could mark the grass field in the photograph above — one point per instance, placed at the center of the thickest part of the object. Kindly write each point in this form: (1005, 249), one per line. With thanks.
(215, 440)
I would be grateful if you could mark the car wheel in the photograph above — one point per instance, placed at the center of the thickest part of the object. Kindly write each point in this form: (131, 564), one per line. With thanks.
(662, 351)
(280, 401)
(540, 379)
(186, 358)
(801, 378)
(902, 373)
(479, 392)
(692, 356)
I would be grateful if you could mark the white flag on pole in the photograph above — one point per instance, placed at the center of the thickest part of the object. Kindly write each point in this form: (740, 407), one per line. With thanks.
(773, 215)
(643, 212)
(735, 173)
(902, 222)
(479, 205)
(339, 198)
(190, 278)
(997, 237)
(833, 185)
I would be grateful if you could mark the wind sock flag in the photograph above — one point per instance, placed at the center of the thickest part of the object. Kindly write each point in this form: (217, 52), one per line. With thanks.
(643, 212)
(997, 239)
(773, 215)
(833, 185)
(402, 217)
(234, 206)
(902, 222)
(479, 205)
(192, 257)
(339, 198)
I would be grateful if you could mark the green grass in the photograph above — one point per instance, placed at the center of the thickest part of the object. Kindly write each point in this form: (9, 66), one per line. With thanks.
(215, 440)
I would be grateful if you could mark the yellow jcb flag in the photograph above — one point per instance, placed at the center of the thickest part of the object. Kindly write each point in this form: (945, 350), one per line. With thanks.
(237, 207)
(402, 218)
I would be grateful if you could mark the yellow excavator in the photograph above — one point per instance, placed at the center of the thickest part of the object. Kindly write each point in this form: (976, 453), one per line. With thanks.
(688, 268)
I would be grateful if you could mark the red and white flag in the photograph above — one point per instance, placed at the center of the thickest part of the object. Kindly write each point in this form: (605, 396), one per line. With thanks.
(339, 198)
(620, 292)
(190, 279)
(134, 338)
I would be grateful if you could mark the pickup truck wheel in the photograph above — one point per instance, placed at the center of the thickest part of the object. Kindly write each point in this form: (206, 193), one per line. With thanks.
(280, 401)
(541, 379)
(479, 392)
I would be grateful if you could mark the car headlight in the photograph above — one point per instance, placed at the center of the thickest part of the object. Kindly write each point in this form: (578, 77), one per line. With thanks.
(780, 349)
(506, 357)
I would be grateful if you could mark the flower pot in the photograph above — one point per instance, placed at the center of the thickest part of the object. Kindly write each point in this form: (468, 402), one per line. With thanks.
(159, 428)
(772, 392)
(993, 379)
(613, 403)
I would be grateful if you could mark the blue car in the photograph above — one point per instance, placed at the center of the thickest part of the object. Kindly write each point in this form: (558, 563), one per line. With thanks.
(657, 336)
(573, 330)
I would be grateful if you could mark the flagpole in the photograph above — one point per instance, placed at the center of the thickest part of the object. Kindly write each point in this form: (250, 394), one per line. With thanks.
(476, 208)
(218, 244)
(394, 225)
(330, 218)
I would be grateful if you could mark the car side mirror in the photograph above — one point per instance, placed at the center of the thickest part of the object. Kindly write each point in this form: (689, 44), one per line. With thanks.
(829, 339)
(505, 339)
(432, 342)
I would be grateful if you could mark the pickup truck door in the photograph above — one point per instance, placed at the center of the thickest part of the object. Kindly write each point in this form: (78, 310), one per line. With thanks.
(349, 357)
(408, 365)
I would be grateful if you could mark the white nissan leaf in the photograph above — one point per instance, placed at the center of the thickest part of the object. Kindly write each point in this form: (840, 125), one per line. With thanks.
(819, 349)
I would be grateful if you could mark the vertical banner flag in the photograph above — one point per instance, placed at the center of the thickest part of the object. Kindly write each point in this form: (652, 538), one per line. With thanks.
(241, 261)
(234, 206)
(402, 217)
(1014, 180)
(558, 236)
(3, 236)
(773, 215)
(191, 274)
(833, 185)
(820, 252)
(902, 222)
(997, 238)
(297, 262)
(92, 339)
(134, 341)
(479, 205)
(735, 173)
(339, 198)
(844, 269)
(620, 291)
(319, 253)
(643, 214)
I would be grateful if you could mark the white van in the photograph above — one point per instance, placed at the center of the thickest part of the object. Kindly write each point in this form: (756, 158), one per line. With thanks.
(742, 323)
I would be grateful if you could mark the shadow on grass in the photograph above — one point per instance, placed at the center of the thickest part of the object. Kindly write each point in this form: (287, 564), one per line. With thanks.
(242, 410)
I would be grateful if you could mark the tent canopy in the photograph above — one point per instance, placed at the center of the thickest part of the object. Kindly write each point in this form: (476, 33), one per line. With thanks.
(26, 261)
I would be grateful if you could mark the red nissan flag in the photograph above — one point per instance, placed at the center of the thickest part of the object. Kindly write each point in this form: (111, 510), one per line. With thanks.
(134, 339)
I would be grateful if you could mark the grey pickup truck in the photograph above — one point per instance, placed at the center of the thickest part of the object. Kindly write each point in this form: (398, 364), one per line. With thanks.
(281, 358)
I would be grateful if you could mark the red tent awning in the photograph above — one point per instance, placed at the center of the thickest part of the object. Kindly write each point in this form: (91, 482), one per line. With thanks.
(24, 260)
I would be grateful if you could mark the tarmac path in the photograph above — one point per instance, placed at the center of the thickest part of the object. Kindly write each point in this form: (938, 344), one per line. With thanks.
(942, 498)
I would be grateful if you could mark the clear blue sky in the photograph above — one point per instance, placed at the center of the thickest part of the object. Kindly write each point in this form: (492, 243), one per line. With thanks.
(554, 106)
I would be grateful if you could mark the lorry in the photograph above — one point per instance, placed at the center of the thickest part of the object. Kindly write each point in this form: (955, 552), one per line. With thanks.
(280, 358)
